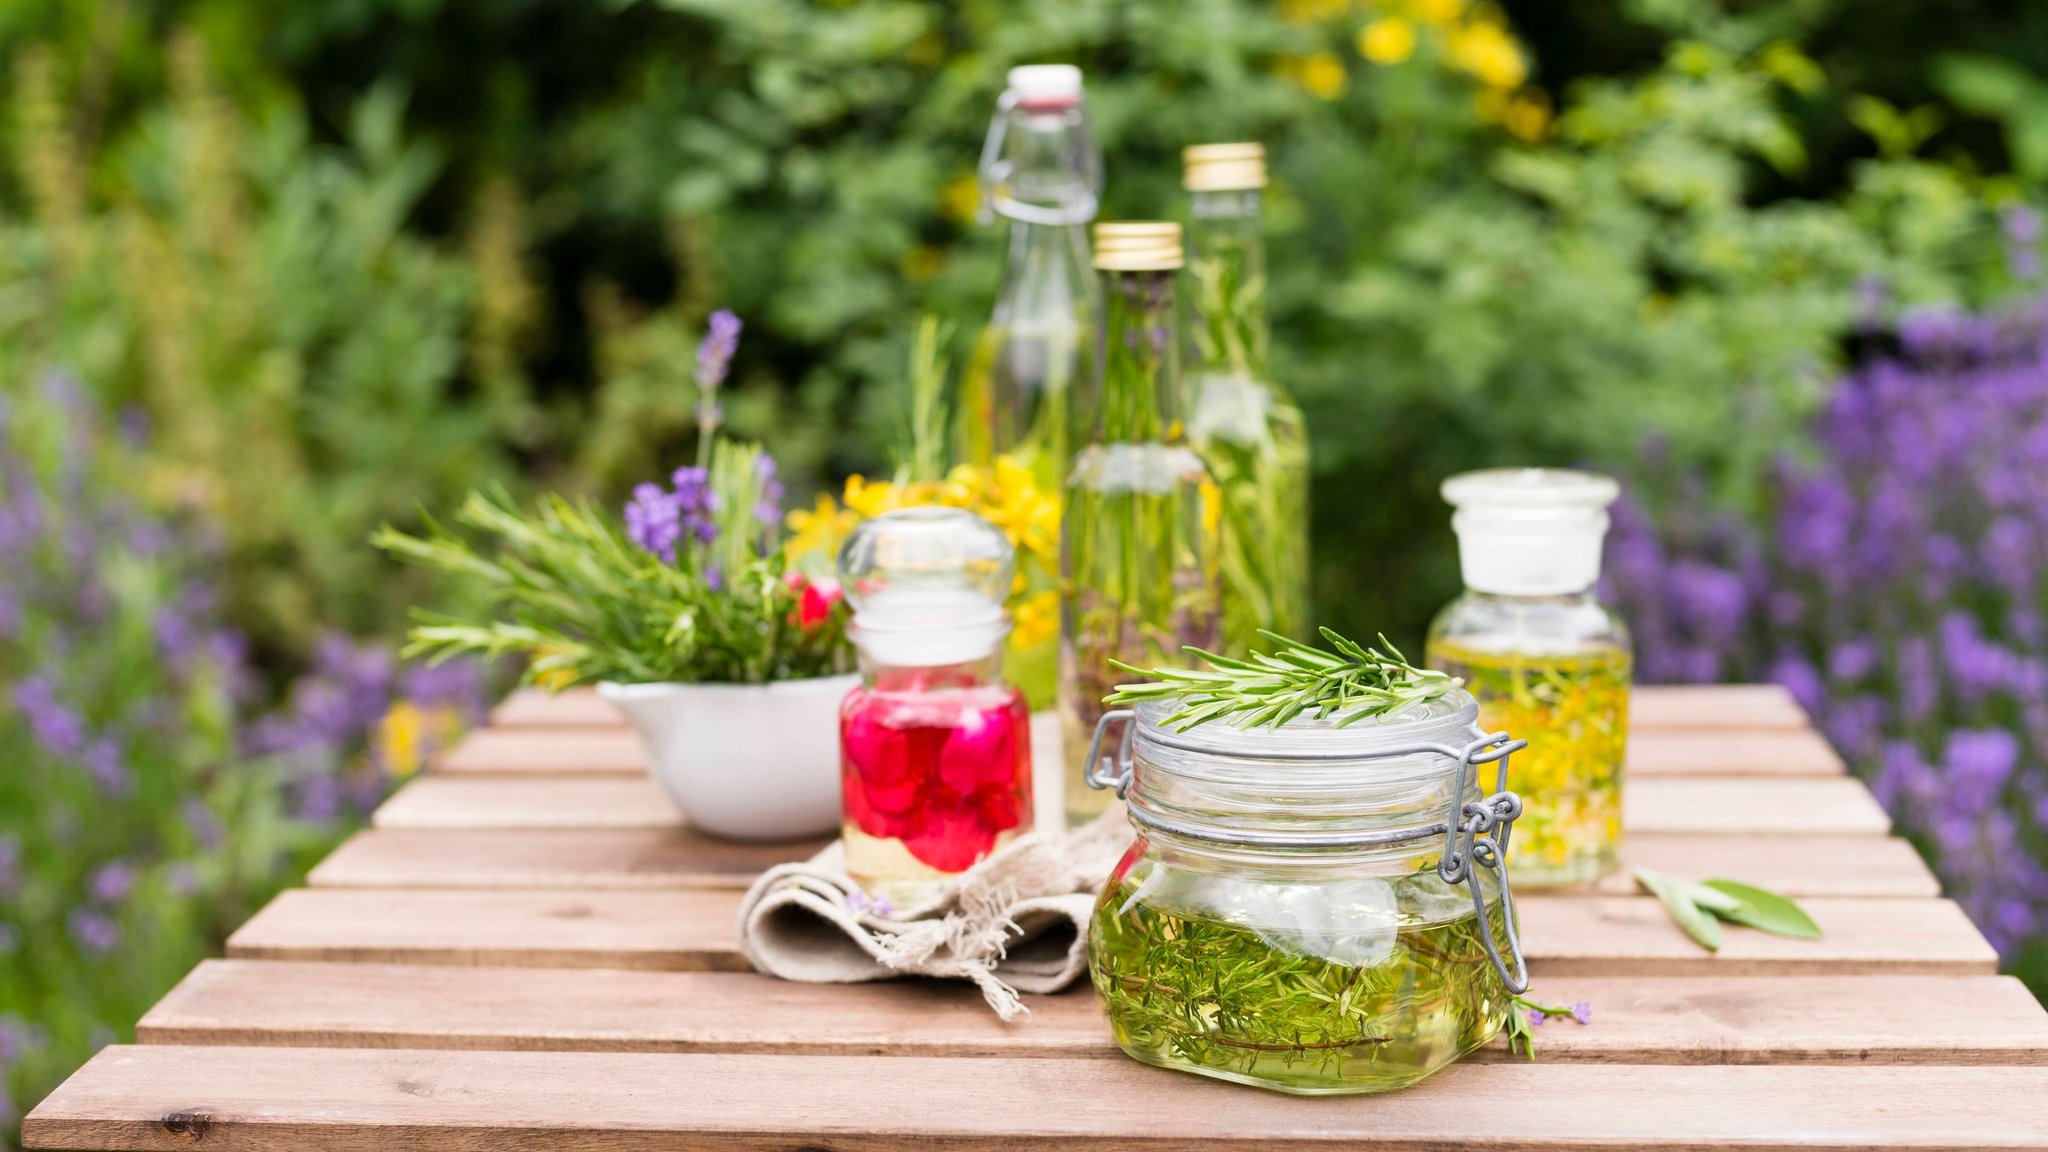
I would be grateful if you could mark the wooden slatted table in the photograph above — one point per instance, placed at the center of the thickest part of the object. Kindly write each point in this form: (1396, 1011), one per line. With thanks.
(529, 949)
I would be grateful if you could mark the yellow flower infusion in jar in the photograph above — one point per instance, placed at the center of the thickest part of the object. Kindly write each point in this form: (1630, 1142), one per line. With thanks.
(1544, 658)
(1572, 708)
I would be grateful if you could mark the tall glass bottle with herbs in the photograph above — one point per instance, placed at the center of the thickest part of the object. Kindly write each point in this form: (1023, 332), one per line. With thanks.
(1545, 658)
(1022, 397)
(1242, 422)
(1139, 551)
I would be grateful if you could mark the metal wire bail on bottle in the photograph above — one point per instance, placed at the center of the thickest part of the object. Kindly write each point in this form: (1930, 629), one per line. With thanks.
(994, 171)
(1475, 832)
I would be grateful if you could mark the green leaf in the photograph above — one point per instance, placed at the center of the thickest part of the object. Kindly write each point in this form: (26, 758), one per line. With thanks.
(1711, 899)
(1765, 911)
(1704, 929)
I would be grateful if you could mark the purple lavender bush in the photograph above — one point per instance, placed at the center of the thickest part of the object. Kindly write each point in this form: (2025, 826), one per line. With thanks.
(1900, 595)
(147, 807)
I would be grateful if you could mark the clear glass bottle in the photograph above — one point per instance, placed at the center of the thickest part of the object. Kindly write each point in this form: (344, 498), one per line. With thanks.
(1292, 914)
(1023, 395)
(935, 747)
(1246, 427)
(1139, 549)
(1545, 658)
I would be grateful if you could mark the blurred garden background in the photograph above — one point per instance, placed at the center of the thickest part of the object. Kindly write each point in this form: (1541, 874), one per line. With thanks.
(274, 273)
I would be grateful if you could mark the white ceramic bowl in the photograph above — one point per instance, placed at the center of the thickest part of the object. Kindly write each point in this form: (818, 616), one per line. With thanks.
(743, 761)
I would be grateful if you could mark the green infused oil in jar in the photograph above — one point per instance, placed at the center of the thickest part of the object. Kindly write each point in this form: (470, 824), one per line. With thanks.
(1545, 659)
(1292, 914)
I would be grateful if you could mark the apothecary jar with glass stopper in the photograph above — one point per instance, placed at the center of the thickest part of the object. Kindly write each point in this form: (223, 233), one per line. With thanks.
(1317, 908)
(935, 747)
(1543, 656)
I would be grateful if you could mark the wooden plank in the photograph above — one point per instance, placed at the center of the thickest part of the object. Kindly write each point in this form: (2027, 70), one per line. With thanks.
(567, 858)
(537, 708)
(529, 802)
(683, 930)
(595, 751)
(343, 1100)
(416, 1006)
(678, 858)
(694, 930)
(617, 752)
(1725, 805)
(1651, 1020)
(1634, 936)
(1799, 752)
(1838, 804)
(1796, 865)
(1664, 707)
(1652, 707)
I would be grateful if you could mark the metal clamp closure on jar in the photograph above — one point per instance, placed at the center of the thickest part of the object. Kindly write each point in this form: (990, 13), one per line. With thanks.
(1475, 833)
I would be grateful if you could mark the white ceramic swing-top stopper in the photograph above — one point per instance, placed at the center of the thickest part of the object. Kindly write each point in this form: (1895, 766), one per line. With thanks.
(1530, 531)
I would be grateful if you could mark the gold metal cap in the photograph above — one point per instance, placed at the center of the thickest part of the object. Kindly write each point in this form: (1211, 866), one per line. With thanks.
(1138, 246)
(1223, 167)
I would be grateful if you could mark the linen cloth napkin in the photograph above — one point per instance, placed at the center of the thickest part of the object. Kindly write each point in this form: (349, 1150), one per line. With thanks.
(1016, 922)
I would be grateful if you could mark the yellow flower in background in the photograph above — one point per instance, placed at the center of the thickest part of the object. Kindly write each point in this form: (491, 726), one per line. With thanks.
(1030, 517)
(399, 738)
(1322, 74)
(1527, 115)
(1312, 11)
(1388, 41)
(1437, 13)
(817, 532)
(1034, 620)
(408, 734)
(1485, 50)
(870, 499)
(960, 199)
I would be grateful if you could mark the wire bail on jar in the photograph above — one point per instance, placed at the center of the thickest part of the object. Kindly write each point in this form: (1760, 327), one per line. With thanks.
(1475, 832)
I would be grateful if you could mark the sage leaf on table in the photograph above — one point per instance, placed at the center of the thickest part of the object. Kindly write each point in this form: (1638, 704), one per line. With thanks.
(1766, 911)
(1697, 922)
(1700, 908)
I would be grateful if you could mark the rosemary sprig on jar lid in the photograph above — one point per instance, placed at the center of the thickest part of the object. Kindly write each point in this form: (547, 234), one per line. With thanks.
(1354, 683)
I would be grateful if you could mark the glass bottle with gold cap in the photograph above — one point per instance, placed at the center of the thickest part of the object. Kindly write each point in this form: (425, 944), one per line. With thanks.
(1022, 402)
(1139, 551)
(1243, 423)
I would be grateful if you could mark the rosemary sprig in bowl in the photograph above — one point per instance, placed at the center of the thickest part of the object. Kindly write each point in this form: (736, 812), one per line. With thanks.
(1354, 683)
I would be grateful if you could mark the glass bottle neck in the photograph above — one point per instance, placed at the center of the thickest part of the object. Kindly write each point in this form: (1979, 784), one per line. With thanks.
(1586, 596)
(1048, 263)
(1227, 265)
(1140, 394)
(983, 672)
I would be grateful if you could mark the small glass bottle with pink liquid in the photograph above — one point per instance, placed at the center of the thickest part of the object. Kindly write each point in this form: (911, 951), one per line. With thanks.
(935, 748)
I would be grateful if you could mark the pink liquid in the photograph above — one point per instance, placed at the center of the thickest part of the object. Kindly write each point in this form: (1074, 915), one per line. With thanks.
(946, 772)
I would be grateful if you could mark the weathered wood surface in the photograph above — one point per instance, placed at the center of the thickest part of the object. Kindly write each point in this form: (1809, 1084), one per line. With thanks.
(694, 930)
(342, 1100)
(1637, 1020)
(616, 751)
(532, 950)
(1652, 708)
(1726, 805)
(1798, 865)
